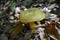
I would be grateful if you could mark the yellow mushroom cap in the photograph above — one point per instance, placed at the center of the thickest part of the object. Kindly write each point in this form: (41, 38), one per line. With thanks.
(31, 15)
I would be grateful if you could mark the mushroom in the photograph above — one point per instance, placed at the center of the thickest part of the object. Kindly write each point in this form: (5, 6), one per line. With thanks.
(31, 15)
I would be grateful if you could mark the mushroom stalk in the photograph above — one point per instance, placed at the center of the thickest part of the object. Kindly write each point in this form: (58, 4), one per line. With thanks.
(32, 25)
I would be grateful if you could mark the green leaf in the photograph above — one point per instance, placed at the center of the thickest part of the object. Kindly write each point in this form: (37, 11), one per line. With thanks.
(12, 4)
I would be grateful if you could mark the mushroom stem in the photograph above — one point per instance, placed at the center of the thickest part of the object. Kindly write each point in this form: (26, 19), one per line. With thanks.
(32, 25)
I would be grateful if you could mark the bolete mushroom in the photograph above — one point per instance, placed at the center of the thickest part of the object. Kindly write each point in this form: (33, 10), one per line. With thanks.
(31, 15)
